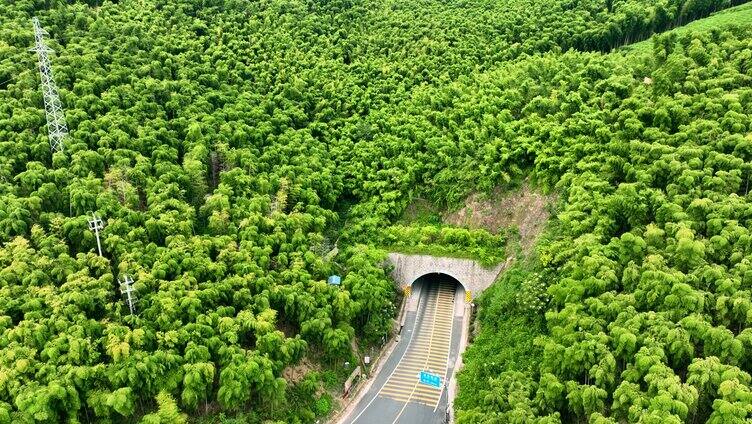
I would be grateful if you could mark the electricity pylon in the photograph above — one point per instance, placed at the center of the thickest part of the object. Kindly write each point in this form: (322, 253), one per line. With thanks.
(57, 127)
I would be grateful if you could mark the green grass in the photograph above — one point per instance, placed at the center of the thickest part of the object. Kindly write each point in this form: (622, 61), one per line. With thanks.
(734, 16)
(421, 211)
(443, 251)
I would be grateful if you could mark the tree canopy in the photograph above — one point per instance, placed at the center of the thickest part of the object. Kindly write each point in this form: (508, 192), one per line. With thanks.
(229, 146)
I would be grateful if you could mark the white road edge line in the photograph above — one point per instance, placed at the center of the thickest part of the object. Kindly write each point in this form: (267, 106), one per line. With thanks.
(412, 334)
(433, 330)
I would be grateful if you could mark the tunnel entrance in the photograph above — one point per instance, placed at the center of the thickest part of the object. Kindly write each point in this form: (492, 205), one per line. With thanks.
(474, 277)
(433, 281)
(436, 278)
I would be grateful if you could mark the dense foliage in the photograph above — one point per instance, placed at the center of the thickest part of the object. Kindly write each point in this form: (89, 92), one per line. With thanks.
(479, 244)
(644, 286)
(227, 143)
(216, 200)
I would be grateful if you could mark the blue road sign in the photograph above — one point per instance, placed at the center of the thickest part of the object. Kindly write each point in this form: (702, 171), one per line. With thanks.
(429, 379)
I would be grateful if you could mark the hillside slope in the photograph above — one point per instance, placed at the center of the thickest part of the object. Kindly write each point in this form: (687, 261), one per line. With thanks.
(227, 144)
(738, 15)
(637, 306)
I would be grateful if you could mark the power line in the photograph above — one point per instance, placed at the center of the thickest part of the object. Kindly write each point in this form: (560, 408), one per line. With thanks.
(14, 78)
(57, 127)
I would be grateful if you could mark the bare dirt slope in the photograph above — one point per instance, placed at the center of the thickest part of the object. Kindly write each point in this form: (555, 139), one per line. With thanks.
(525, 209)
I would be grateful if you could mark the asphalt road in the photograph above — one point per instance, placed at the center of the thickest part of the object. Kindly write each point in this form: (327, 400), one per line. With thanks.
(429, 341)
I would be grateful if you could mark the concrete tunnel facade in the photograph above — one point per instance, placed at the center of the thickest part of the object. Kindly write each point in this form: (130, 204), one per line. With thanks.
(473, 277)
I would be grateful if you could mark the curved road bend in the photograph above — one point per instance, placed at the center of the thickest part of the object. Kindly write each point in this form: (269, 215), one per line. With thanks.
(430, 339)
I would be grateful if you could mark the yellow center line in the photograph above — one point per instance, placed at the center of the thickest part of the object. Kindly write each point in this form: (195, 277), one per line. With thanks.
(416, 383)
(430, 341)
(448, 354)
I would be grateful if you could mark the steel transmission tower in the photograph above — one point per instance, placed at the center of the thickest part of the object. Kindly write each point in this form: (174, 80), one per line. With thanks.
(56, 125)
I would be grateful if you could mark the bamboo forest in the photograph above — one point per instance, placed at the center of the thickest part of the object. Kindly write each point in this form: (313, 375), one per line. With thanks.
(173, 252)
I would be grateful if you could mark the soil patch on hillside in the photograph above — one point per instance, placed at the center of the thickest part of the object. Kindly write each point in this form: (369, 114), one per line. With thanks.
(294, 374)
(421, 211)
(525, 209)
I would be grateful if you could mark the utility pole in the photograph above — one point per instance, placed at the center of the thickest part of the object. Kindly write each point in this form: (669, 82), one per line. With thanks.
(96, 224)
(57, 127)
(126, 287)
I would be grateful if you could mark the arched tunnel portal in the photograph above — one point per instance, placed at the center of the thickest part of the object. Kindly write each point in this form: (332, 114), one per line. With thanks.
(471, 276)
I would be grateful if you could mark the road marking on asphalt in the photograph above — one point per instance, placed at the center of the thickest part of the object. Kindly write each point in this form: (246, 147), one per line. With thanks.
(430, 352)
(410, 341)
(449, 354)
(412, 392)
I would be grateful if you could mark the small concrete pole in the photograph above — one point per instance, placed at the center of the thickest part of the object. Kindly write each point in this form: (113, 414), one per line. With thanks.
(126, 287)
(96, 224)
